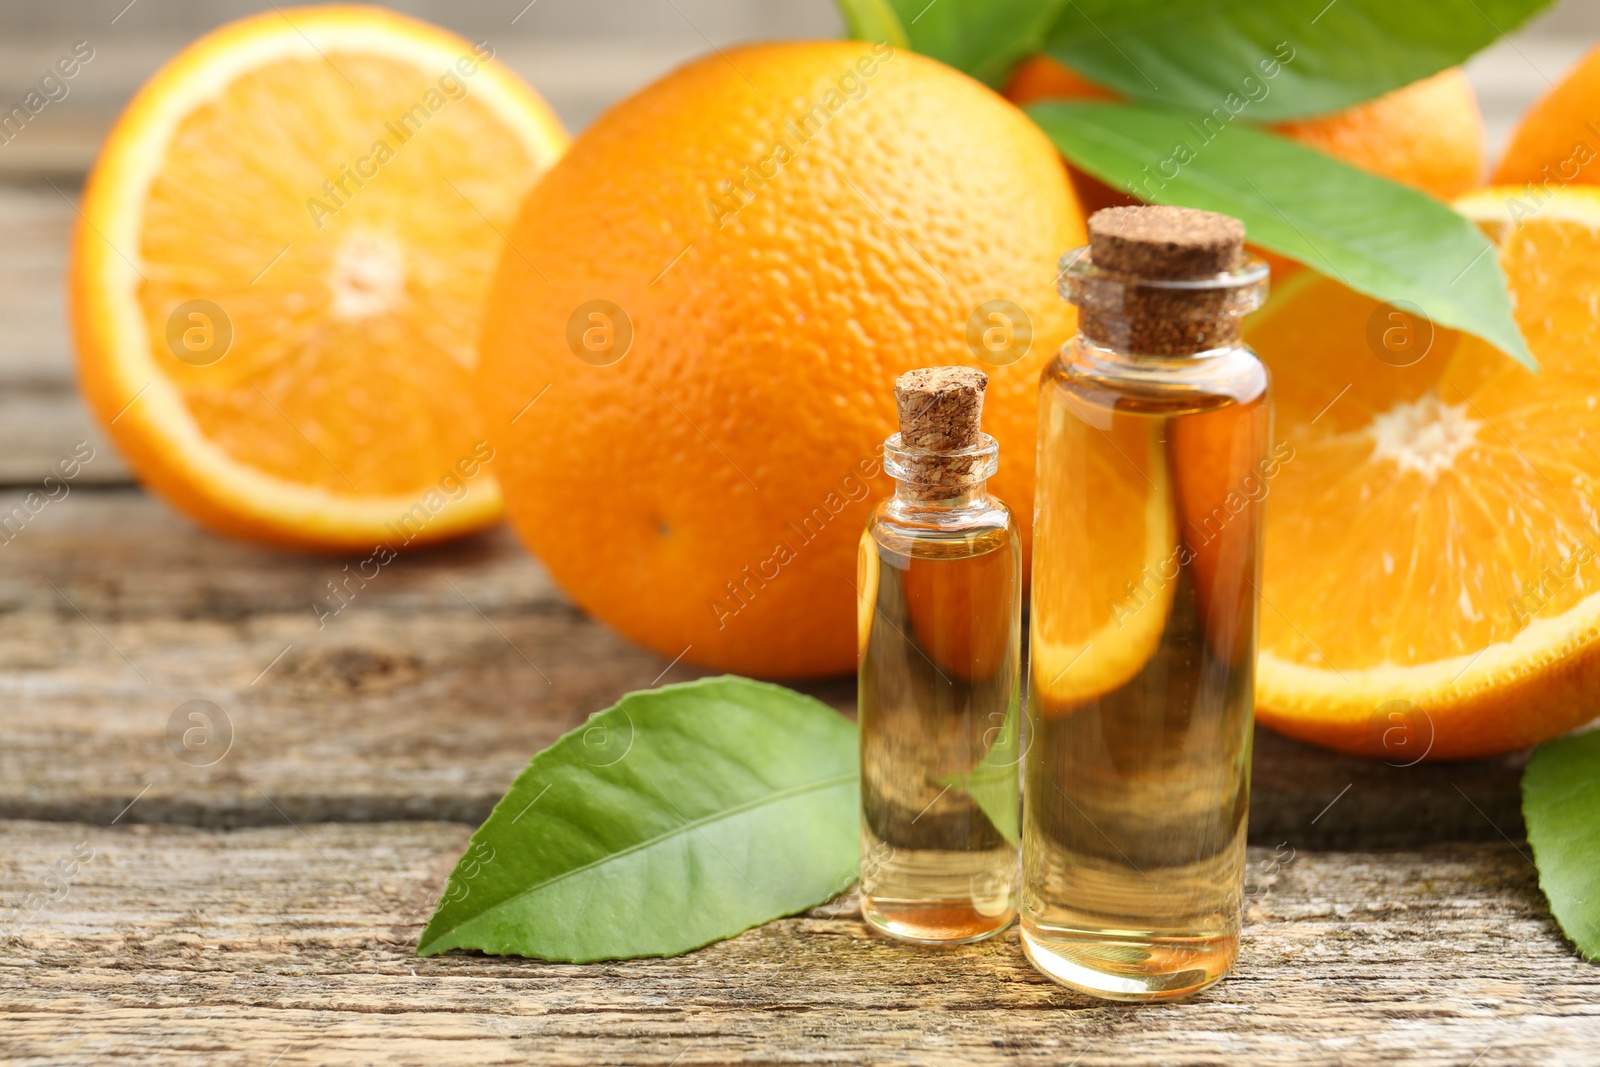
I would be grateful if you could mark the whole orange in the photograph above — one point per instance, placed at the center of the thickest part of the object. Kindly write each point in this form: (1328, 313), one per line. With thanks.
(692, 339)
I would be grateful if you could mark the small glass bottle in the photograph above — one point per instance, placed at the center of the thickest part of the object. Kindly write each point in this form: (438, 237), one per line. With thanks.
(939, 599)
(1152, 466)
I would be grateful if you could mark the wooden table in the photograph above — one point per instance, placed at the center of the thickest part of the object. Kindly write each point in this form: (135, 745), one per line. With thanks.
(267, 904)
(263, 908)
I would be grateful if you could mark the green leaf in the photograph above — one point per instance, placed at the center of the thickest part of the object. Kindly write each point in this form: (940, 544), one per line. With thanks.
(984, 38)
(995, 784)
(678, 817)
(1561, 804)
(1377, 236)
(1192, 53)
(873, 20)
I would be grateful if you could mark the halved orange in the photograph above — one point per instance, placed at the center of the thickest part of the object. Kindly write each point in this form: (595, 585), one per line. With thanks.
(280, 273)
(1432, 580)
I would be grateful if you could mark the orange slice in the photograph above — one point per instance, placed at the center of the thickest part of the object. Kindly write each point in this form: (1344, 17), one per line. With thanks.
(281, 268)
(1432, 579)
(1104, 552)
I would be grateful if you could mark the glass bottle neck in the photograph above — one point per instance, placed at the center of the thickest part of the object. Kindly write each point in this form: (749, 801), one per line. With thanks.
(926, 481)
(913, 497)
(1083, 360)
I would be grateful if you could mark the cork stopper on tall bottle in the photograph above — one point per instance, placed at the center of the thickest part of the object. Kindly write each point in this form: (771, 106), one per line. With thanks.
(1160, 244)
(940, 411)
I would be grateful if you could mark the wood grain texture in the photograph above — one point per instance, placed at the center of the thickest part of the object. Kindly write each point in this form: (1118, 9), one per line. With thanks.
(41, 414)
(427, 693)
(177, 946)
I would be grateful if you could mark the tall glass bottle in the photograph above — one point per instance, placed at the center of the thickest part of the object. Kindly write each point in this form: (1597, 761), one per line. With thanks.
(1153, 430)
(939, 584)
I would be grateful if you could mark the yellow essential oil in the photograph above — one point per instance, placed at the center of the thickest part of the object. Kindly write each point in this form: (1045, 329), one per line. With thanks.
(1152, 468)
(939, 582)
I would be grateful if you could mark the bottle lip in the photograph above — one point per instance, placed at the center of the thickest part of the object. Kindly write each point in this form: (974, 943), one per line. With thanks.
(1079, 278)
(907, 462)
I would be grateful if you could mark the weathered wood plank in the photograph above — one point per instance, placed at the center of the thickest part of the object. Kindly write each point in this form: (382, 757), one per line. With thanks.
(426, 694)
(41, 415)
(186, 946)
(37, 220)
(421, 698)
(56, 425)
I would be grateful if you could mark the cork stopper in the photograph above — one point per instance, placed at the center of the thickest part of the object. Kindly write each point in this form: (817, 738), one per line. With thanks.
(1165, 242)
(940, 449)
(1156, 244)
(940, 407)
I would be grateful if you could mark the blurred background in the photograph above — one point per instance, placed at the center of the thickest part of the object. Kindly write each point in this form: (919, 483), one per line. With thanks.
(582, 55)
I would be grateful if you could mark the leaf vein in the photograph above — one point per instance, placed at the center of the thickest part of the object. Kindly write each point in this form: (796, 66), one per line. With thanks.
(679, 830)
